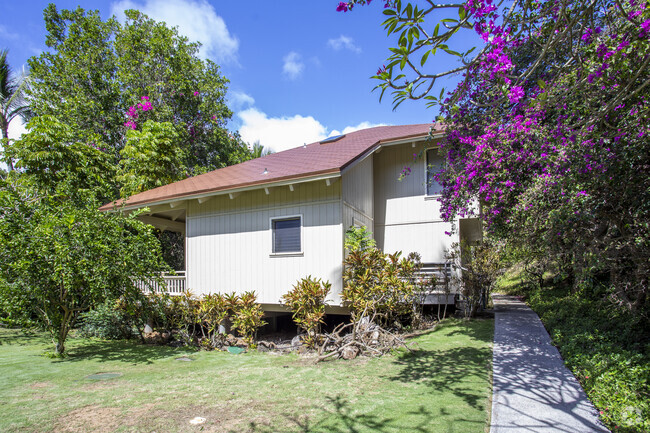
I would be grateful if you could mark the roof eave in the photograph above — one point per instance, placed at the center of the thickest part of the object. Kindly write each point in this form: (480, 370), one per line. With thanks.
(329, 174)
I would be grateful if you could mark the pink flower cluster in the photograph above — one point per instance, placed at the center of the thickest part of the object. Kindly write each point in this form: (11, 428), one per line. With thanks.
(134, 112)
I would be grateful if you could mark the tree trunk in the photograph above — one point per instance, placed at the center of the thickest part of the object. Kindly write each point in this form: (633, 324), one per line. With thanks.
(66, 323)
(4, 126)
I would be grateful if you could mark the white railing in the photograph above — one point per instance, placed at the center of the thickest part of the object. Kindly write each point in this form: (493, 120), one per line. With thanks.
(442, 291)
(173, 283)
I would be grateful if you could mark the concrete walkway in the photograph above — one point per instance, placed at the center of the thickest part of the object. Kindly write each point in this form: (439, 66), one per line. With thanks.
(533, 390)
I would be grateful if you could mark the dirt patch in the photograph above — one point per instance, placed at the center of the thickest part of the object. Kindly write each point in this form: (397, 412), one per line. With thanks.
(40, 385)
(99, 385)
(89, 418)
(219, 419)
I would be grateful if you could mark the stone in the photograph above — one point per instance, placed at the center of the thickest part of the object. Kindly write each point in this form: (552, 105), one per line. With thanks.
(296, 342)
(350, 352)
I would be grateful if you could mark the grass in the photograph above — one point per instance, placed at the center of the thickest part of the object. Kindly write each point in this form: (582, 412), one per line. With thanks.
(443, 386)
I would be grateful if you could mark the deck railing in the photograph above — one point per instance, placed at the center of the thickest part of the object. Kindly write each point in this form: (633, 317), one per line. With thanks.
(442, 291)
(172, 283)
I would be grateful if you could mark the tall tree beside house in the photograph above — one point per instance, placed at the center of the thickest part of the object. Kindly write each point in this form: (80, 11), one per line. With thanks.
(106, 79)
(118, 108)
(58, 259)
(13, 103)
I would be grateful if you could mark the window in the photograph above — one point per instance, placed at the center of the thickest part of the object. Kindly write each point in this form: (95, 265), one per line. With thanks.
(434, 164)
(286, 235)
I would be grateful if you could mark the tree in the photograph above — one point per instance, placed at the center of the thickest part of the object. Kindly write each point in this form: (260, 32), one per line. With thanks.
(547, 128)
(12, 101)
(98, 75)
(259, 151)
(55, 163)
(150, 158)
(62, 259)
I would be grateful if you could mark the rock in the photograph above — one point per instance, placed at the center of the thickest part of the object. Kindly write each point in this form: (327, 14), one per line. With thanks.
(231, 340)
(148, 329)
(156, 338)
(262, 348)
(268, 344)
(296, 342)
(350, 352)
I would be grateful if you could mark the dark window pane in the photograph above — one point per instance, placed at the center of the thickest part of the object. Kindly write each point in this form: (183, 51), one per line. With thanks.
(434, 164)
(286, 235)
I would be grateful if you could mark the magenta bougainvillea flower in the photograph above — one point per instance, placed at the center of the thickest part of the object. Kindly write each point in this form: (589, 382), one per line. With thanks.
(516, 94)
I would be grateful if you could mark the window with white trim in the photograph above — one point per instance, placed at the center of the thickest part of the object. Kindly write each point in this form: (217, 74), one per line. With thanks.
(286, 234)
(434, 163)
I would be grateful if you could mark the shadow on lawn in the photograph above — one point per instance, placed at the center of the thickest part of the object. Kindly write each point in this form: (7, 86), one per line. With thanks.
(339, 417)
(22, 337)
(456, 370)
(473, 329)
(121, 350)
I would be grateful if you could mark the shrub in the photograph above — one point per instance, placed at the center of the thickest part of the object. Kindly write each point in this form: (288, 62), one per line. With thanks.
(106, 321)
(480, 266)
(247, 318)
(608, 349)
(359, 239)
(378, 286)
(213, 310)
(307, 302)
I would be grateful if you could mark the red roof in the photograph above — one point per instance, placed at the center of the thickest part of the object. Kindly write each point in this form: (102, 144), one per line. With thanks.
(302, 162)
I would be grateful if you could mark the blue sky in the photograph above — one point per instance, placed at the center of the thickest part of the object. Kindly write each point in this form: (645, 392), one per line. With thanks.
(298, 71)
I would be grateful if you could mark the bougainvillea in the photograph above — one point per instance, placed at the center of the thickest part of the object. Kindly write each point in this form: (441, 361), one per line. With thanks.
(547, 128)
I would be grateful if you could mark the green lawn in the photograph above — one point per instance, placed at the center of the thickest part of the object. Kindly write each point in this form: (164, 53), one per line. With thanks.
(443, 387)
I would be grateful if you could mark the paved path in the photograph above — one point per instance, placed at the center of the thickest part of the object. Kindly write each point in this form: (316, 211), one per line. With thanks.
(533, 390)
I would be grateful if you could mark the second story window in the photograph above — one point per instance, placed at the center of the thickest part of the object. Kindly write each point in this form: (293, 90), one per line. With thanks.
(434, 163)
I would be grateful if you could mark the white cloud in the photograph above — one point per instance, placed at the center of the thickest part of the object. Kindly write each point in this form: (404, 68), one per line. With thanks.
(279, 133)
(360, 126)
(195, 19)
(293, 65)
(343, 42)
(16, 128)
(282, 133)
(240, 100)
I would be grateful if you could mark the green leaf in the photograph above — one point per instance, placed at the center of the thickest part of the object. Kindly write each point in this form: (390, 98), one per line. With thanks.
(424, 58)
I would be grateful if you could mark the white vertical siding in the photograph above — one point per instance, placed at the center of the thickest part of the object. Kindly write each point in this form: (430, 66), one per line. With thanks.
(229, 241)
(358, 194)
(405, 218)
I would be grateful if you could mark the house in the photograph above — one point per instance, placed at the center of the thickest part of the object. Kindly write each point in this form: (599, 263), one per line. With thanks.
(263, 224)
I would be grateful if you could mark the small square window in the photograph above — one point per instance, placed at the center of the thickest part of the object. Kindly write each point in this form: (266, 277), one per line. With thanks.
(286, 235)
(434, 163)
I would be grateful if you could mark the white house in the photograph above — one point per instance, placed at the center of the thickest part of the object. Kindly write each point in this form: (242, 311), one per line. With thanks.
(263, 224)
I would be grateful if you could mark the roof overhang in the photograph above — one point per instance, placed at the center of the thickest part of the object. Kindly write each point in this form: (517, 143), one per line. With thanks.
(234, 190)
